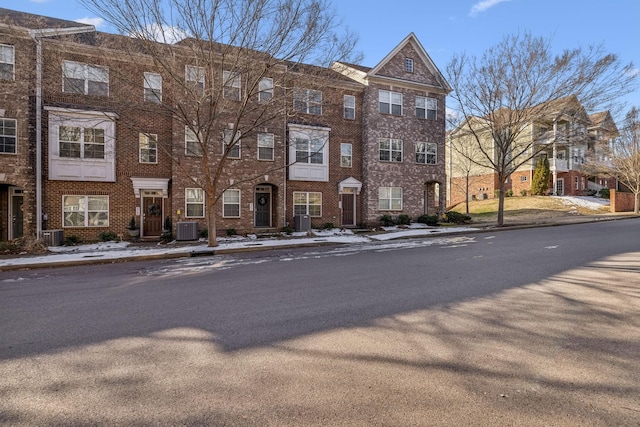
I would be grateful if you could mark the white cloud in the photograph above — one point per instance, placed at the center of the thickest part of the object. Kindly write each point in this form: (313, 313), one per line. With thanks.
(96, 22)
(633, 72)
(484, 5)
(163, 34)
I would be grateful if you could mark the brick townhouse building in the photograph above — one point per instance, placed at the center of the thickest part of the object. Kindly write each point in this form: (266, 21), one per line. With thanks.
(90, 137)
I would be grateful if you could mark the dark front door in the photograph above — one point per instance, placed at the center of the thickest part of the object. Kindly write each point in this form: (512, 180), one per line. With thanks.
(348, 209)
(152, 211)
(263, 209)
(16, 216)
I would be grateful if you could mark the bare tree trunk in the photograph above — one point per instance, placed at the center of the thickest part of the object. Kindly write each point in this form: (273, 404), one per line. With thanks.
(636, 205)
(211, 222)
(501, 202)
(466, 194)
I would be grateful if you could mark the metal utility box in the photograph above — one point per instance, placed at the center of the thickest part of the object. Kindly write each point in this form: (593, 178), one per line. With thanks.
(53, 237)
(302, 223)
(187, 230)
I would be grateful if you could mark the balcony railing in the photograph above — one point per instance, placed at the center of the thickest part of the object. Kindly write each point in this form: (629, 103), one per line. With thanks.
(558, 165)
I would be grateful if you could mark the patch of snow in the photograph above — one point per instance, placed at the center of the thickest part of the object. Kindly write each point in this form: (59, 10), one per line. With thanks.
(588, 202)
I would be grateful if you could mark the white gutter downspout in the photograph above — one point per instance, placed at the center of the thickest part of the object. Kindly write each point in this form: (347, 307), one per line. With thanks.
(37, 36)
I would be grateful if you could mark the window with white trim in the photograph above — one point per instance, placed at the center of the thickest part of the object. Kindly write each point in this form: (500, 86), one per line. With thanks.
(7, 62)
(81, 143)
(231, 146)
(390, 102)
(148, 146)
(307, 101)
(390, 198)
(390, 150)
(308, 153)
(194, 77)
(309, 150)
(85, 211)
(426, 108)
(231, 85)
(192, 146)
(8, 136)
(194, 202)
(85, 79)
(576, 183)
(523, 178)
(153, 87)
(307, 203)
(426, 153)
(349, 107)
(408, 65)
(231, 203)
(265, 146)
(265, 89)
(345, 155)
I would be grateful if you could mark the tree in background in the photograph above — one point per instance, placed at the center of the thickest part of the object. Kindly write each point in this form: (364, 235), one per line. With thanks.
(227, 66)
(500, 94)
(540, 182)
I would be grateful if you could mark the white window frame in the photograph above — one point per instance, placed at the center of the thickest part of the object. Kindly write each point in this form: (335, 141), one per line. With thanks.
(408, 65)
(191, 139)
(86, 141)
(346, 154)
(88, 73)
(265, 89)
(390, 99)
(266, 144)
(390, 198)
(576, 183)
(8, 133)
(307, 101)
(390, 147)
(147, 146)
(231, 85)
(194, 75)
(523, 178)
(230, 198)
(350, 107)
(234, 151)
(304, 203)
(84, 208)
(426, 108)
(310, 144)
(7, 57)
(427, 153)
(196, 198)
(153, 87)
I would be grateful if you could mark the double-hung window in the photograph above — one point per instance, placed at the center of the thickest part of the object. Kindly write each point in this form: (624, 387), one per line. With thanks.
(194, 77)
(265, 89)
(148, 143)
(349, 107)
(85, 79)
(232, 143)
(231, 85)
(390, 198)
(307, 203)
(192, 144)
(231, 204)
(194, 202)
(153, 87)
(390, 150)
(426, 153)
(265, 146)
(81, 143)
(7, 62)
(8, 137)
(390, 102)
(85, 211)
(307, 101)
(426, 108)
(309, 150)
(345, 155)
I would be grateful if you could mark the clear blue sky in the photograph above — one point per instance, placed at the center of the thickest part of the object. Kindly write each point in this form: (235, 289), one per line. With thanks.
(454, 26)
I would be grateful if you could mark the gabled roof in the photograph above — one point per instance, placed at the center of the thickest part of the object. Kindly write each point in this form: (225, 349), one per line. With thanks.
(33, 22)
(603, 120)
(422, 53)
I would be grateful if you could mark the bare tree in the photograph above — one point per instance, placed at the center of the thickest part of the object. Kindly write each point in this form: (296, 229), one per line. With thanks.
(464, 171)
(229, 74)
(519, 81)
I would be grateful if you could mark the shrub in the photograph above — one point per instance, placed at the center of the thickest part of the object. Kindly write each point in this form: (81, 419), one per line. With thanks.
(204, 233)
(167, 223)
(431, 220)
(166, 237)
(523, 193)
(387, 220)
(509, 193)
(328, 226)
(404, 219)
(496, 193)
(232, 232)
(605, 193)
(107, 236)
(287, 229)
(22, 245)
(71, 240)
(456, 218)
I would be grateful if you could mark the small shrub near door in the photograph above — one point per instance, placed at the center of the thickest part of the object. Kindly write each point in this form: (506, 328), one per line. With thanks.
(107, 236)
(431, 220)
(387, 221)
(454, 217)
(404, 219)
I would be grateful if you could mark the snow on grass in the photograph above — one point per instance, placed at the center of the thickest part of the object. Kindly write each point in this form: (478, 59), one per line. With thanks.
(589, 202)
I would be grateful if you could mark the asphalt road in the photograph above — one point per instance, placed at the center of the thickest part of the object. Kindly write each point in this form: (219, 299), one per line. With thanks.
(535, 327)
